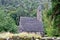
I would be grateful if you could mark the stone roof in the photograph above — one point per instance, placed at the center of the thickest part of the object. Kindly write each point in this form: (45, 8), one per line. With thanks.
(30, 24)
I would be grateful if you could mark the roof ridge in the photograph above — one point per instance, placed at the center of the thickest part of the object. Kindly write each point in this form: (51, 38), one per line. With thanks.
(28, 17)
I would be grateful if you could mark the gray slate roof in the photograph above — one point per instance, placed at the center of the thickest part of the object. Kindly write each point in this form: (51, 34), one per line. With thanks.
(29, 24)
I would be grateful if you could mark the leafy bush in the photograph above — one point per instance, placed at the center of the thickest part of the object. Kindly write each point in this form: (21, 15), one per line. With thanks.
(56, 16)
(48, 24)
(7, 24)
(51, 19)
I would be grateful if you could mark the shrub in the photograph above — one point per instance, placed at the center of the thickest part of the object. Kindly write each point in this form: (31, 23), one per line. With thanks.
(7, 24)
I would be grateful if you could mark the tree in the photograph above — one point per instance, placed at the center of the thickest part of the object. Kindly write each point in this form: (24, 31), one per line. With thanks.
(56, 16)
(17, 8)
(7, 24)
(51, 19)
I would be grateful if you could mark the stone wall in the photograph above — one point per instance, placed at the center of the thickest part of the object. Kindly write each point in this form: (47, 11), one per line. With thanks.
(43, 38)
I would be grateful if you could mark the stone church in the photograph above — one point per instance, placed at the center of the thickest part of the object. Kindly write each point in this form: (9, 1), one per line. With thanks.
(32, 24)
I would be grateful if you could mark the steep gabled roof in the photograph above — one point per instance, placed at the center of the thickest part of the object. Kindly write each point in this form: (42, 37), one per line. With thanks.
(29, 24)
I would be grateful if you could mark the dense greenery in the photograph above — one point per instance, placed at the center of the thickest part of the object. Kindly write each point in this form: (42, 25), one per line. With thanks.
(48, 24)
(56, 16)
(51, 19)
(17, 8)
(11, 10)
(7, 24)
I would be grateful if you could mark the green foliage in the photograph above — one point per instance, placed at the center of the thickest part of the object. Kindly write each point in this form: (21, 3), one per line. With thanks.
(56, 12)
(17, 8)
(51, 19)
(7, 24)
(48, 24)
